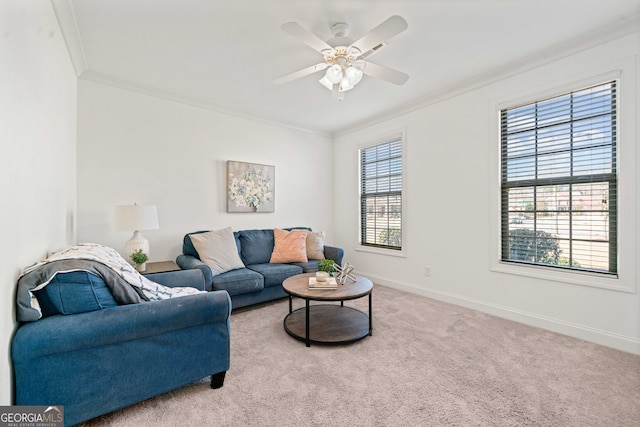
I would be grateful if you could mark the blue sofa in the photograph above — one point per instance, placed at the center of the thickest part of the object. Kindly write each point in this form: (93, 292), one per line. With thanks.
(99, 356)
(259, 281)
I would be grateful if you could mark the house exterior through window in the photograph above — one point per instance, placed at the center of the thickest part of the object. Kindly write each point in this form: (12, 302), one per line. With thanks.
(381, 195)
(559, 181)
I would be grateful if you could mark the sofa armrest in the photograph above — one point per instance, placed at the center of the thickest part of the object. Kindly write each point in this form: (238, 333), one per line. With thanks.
(334, 253)
(119, 324)
(187, 262)
(192, 278)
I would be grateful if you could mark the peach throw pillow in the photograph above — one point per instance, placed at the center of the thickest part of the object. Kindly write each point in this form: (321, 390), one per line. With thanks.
(289, 246)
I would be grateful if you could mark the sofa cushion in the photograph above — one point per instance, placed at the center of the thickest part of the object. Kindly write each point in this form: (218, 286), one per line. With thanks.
(275, 274)
(315, 245)
(74, 292)
(218, 250)
(257, 246)
(310, 266)
(189, 249)
(240, 281)
(289, 246)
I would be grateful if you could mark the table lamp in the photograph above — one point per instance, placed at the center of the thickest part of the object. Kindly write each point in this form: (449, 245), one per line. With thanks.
(135, 218)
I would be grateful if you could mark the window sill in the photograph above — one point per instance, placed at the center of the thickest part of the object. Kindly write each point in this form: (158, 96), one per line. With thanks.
(380, 251)
(574, 277)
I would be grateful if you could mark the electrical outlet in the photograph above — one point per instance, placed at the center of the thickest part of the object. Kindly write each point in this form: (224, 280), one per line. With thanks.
(427, 271)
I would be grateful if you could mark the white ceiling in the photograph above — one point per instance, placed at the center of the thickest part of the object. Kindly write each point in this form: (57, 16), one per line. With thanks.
(224, 54)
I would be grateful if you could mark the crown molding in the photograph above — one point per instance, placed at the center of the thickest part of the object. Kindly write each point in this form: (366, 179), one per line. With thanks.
(578, 44)
(94, 77)
(66, 17)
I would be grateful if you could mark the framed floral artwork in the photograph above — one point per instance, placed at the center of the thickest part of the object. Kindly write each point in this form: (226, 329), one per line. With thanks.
(251, 187)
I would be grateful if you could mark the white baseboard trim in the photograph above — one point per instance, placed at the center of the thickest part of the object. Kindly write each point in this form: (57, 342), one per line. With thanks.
(619, 342)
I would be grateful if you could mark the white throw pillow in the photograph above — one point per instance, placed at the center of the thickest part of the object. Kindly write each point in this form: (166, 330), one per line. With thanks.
(218, 250)
(315, 245)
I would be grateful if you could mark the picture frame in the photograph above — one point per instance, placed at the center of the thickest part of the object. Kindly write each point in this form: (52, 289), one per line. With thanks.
(250, 187)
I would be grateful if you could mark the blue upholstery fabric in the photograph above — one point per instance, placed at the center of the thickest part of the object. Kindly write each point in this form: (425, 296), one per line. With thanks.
(142, 350)
(188, 262)
(268, 294)
(74, 292)
(310, 266)
(257, 246)
(239, 281)
(275, 274)
(334, 253)
(330, 252)
(179, 279)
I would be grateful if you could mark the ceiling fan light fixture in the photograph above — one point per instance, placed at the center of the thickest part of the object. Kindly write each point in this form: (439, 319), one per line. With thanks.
(345, 85)
(324, 81)
(344, 59)
(334, 74)
(354, 75)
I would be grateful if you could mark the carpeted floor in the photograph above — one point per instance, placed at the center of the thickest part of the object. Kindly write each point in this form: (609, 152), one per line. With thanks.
(427, 363)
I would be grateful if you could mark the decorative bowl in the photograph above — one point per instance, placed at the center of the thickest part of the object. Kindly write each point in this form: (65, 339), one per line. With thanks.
(322, 276)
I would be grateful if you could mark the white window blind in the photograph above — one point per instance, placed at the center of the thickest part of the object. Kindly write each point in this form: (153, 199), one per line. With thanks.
(559, 188)
(381, 195)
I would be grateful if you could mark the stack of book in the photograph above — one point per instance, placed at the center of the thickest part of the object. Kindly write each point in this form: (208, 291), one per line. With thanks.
(331, 283)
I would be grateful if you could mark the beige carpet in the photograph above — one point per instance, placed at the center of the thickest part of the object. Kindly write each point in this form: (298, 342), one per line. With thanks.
(428, 363)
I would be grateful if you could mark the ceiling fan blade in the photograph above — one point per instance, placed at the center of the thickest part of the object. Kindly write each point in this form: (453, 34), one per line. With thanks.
(383, 32)
(384, 73)
(294, 29)
(300, 73)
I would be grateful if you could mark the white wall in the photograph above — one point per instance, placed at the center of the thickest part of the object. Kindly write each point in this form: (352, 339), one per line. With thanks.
(37, 152)
(452, 206)
(144, 149)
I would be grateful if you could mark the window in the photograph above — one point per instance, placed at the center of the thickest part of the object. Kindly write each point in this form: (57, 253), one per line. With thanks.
(558, 181)
(381, 195)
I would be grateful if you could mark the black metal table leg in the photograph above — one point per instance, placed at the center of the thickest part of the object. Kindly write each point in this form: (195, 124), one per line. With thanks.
(307, 323)
(370, 316)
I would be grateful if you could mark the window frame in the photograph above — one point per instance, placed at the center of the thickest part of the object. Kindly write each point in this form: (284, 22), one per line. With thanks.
(398, 135)
(624, 72)
(536, 183)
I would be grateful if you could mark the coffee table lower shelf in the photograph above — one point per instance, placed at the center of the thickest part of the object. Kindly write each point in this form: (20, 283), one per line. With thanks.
(327, 324)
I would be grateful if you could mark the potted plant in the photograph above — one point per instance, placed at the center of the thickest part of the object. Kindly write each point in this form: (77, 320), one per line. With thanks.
(327, 265)
(140, 259)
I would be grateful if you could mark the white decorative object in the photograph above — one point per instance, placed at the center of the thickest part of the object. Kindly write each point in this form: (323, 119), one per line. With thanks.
(344, 273)
(135, 218)
(322, 276)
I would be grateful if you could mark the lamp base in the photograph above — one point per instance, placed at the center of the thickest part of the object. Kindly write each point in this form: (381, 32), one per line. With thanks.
(136, 243)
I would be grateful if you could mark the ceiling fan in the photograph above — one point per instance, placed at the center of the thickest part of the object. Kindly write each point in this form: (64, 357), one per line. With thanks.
(344, 59)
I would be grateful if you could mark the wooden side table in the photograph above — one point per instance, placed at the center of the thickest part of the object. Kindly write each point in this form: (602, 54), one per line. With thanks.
(161, 267)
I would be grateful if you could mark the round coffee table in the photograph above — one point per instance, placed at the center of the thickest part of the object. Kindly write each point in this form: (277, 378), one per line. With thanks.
(327, 323)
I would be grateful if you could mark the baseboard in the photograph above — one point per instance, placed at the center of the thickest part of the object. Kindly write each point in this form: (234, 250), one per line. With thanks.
(619, 342)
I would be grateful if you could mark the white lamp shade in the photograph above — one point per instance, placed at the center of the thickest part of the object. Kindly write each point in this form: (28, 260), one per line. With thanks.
(354, 75)
(324, 81)
(345, 85)
(136, 217)
(334, 74)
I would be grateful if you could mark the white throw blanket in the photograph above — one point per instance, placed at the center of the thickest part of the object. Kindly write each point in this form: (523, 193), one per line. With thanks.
(112, 259)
